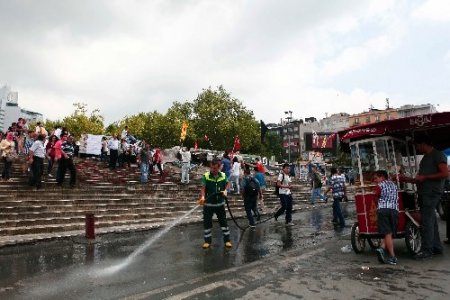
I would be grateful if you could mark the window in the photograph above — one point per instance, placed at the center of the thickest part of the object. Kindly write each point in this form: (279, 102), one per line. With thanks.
(356, 121)
(377, 118)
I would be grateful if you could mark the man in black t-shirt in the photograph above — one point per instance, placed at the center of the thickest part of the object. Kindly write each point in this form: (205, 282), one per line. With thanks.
(430, 183)
(66, 161)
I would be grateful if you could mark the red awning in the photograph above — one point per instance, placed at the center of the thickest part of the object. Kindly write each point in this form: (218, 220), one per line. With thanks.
(437, 125)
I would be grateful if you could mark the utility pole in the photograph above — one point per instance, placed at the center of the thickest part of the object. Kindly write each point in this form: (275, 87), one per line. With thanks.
(289, 119)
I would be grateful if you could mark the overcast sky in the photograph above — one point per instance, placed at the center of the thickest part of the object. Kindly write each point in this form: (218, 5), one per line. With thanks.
(309, 56)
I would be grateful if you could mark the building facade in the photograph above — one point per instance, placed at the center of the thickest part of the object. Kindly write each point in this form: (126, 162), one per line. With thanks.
(335, 122)
(10, 110)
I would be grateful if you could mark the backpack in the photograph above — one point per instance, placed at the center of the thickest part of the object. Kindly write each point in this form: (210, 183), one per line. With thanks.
(277, 188)
(178, 155)
(317, 181)
(251, 188)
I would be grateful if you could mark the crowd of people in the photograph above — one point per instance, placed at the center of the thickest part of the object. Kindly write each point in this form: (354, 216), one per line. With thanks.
(58, 148)
(36, 145)
(230, 174)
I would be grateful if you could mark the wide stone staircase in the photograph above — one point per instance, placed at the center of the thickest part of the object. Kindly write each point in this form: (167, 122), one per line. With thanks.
(117, 199)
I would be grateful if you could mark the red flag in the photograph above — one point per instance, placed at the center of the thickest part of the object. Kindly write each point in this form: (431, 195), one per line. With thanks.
(195, 145)
(237, 143)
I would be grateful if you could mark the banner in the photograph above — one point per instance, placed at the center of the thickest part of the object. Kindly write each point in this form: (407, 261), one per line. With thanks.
(91, 144)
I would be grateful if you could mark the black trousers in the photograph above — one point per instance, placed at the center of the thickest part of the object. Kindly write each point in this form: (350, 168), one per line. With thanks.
(63, 165)
(37, 168)
(6, 174)
(113, 154)
(250, 205)
(208, 213)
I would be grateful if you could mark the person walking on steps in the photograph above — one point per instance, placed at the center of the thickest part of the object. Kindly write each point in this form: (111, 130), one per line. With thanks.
(36, 159)
(251, 191)
(185, 164)
(214, 190)
(66, 161)
(285, 194)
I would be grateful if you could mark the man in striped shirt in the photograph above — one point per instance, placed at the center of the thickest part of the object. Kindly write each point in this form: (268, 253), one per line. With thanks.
(337, 185)
(66, 161)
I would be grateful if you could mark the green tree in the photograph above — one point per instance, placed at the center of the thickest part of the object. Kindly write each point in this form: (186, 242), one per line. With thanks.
(273, 146)
(80, 122)
(221, 117)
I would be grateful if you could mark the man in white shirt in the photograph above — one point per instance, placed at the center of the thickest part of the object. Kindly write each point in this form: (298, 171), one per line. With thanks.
(113, 146)
(185, 164)
(36, 158)
(284, 185)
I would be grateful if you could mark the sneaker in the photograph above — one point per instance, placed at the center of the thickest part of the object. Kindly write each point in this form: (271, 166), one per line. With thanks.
(228, 244)
(290, 224)
(251, 226)
(205, 245)
(437, 251)
(423, 255)
(392, 260)
(275, 217)
(50, 175)
(381, 254)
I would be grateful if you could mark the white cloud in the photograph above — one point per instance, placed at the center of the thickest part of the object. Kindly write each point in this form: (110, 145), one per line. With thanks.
(128, 57)
(433, 10)
(447, 58)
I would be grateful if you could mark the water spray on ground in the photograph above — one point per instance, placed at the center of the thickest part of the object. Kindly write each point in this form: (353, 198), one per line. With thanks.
(127, 261)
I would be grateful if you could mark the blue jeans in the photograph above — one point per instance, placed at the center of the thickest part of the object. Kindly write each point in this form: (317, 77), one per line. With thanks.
(286, 205)
(144, 172)
(337, 212)
(316, 193)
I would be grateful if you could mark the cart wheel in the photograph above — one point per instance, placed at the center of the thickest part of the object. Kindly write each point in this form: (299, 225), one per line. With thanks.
(374, 243)
(413, 238)
(358, 243)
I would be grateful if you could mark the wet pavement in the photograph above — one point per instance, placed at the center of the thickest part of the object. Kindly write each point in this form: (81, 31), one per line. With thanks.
(72, 269)
(306, 261)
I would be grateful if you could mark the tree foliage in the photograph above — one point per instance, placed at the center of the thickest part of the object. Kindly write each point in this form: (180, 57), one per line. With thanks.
(80, 121)
(214, 113)
(273, 146)
(221, 117)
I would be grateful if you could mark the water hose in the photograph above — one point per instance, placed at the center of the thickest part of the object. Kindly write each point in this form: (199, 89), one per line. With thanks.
(235, 222)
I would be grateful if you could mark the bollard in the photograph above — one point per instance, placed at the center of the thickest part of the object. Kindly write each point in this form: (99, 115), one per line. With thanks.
(90, 226)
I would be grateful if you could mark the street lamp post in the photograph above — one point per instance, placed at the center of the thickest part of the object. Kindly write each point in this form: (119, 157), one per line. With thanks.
(288, 118)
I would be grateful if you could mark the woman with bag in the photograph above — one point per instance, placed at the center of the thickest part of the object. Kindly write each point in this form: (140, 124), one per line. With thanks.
(7, 149)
